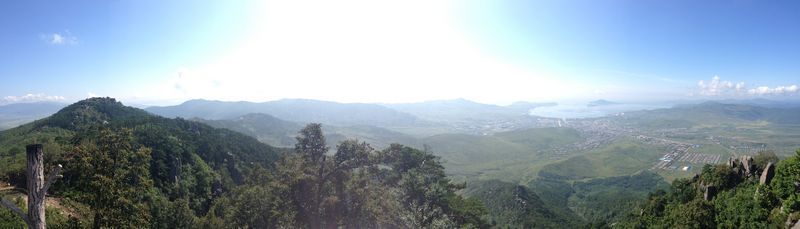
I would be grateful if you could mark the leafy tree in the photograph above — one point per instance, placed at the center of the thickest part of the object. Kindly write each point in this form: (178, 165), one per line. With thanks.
(739, 204)
(722, 176)
(260, 203)
(683, 190)
(697, 213)
(787, 175)
(468, 212)
(10, 220)
(310, 188)
(118, 176)
(742, 208)
(357, 187)
(763, 157)
(351, 185)
(166, 214)
(424, 187)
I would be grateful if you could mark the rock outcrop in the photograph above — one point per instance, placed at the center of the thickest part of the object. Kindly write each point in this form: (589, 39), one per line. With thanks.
(710, 192)
(748, 166)
(767, 174)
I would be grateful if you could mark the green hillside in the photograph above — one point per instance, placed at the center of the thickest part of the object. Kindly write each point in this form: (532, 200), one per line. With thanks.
(517, 206)
(542, 138)
(510, 156)
(731, 125)
(610, 199)
(124, 167)
(208, 160)
(264, 127)
(726, 196)
(622, 157)
(273, 131)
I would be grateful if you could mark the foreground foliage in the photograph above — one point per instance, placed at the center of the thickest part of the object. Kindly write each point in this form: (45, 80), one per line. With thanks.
(741, 202)
(357, 187)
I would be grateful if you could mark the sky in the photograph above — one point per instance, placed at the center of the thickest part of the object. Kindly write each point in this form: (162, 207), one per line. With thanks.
(152, 52)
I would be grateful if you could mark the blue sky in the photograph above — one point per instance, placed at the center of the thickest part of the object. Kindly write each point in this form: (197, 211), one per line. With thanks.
(164, 52)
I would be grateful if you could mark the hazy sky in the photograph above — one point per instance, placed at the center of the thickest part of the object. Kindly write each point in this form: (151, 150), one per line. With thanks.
(164, 52)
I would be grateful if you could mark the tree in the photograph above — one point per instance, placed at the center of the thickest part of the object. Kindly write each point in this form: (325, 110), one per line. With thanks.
(310, 188)
(423, 186)
(262, 202)
(118, 176)
(37, 188)
(720, 175)
(787, 179)
(345, 206)
(683, 190)
(697, 213)
(357, 187)
(763, 157)
(468, 212)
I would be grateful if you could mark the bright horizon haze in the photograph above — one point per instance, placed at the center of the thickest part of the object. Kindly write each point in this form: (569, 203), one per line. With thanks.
(165, 52)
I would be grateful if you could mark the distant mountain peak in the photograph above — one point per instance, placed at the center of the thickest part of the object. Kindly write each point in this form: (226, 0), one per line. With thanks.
(92, 111)
(295, 110)
(600, 102)
(711, 103)
(196, 101)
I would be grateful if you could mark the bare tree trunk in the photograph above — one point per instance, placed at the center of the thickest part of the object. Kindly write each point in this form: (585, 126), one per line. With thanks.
(35, 174)
(37, 188)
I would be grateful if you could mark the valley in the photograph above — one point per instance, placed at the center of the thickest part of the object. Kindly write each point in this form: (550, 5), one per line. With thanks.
(572, 170)
(496, 144)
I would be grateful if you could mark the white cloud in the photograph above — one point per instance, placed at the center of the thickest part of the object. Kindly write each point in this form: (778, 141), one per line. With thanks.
(57, 39)
(741, 87)
(779, 90)
(91, 95)
(717, 87)
(29, 98)
(65, 38)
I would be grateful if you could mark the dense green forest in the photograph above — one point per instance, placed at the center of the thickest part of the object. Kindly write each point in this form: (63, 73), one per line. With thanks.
(741, 194)
(124, 167)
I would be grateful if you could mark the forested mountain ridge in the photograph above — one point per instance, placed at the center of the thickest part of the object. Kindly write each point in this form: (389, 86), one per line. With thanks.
(295, 110)
(177, 173)
(277, 132)
(185, 160)
(266, 128)
(124, 167)
(518, 206)
(717, 112)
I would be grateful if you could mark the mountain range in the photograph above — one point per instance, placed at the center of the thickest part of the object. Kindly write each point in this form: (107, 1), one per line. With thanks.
(16, 114)
(528, 171)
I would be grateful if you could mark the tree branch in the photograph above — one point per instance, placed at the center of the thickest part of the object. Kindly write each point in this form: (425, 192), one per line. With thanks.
(16, 210)
(49, 180)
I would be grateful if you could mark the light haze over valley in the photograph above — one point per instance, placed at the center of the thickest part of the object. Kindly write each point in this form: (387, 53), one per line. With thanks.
(400, 114)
